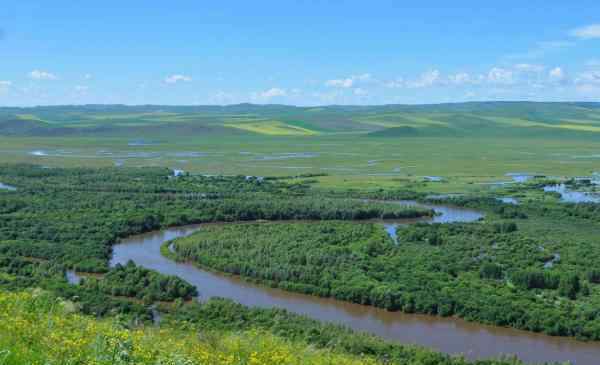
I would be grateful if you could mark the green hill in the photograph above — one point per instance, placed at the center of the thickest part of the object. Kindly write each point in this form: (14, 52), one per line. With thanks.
(462, 119)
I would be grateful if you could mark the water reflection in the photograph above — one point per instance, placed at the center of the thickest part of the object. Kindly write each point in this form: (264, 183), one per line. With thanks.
(7, 187)
(508, 200)
(571, 196)
(72, 277)
(444, 214)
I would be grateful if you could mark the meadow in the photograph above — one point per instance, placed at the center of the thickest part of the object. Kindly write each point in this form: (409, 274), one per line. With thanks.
(468, 145)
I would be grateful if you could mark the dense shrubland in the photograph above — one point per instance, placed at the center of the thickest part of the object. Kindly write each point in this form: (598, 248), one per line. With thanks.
(134, 281)
(491, 273)
(73, 216)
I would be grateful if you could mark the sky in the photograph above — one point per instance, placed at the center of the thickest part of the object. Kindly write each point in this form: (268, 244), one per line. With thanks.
(297, 52)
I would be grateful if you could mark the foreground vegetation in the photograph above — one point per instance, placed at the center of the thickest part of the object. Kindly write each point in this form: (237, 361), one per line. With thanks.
(494, 271)
(38, 328)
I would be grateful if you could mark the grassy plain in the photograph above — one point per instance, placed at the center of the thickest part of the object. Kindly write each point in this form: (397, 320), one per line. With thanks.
(468, 145)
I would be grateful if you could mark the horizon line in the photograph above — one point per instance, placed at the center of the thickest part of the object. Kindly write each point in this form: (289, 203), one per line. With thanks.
(303, 106)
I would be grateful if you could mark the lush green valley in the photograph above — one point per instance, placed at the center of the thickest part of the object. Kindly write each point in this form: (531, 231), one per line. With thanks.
(294, 199)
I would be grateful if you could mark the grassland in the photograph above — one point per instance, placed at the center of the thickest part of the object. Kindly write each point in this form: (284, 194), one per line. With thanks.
(469, 145)
(273, 128)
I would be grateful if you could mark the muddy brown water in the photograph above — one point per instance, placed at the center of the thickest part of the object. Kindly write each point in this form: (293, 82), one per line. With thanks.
(449, 335)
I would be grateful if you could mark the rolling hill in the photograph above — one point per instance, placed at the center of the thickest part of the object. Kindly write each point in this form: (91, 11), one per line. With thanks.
(440, 120)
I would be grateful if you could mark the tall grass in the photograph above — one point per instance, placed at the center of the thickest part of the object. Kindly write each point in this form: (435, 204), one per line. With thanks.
(36, 328)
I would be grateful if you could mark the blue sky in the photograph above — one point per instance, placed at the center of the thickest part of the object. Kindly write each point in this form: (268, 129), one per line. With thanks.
(297, 52)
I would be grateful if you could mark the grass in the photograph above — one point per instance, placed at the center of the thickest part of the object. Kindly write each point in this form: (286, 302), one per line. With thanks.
(273, 128)
(350, 161)
(357, 147)
(36, 328)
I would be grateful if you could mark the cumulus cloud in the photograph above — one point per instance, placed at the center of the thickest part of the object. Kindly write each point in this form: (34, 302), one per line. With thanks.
(360, 92)
(343, 83)
(349, 82)
(500, 76)
(527, 67)
(587, 32)
(460, 78)
(394, 84)
(428, 78)
(557, 74)
(269, 94)
(4, 86)
(173, 79)
(273, 92)
(589, 77)
(42, 75)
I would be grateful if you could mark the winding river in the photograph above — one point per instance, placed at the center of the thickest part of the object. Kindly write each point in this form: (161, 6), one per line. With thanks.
(449, 335)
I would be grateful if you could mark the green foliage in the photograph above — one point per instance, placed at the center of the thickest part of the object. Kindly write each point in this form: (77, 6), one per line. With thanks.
(536, 279)
(491, 270)
(62, 219)
(569, 285)
(135, 281)
(475, 271)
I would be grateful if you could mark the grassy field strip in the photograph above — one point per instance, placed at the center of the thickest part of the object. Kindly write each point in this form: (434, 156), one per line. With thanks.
(273, 128)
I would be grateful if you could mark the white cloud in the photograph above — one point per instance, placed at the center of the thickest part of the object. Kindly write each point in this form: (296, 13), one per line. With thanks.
(557, 74)
(527, 67)
(81, 88)
(428, 78)
(42, 75)
(460, 78)
(4, 86)
(500, 76)
(589, 77)
(587, 32)
(394, 84)
(269, 94)
(273, 92)
(342, 83)
(349, 82)
(88, 76)
(173, 79)
(360, 92)
(588, 91)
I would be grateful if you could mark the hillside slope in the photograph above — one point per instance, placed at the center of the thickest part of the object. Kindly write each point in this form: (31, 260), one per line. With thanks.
(573, 120)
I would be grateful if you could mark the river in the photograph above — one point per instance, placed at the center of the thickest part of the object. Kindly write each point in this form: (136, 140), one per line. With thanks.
(449, 335)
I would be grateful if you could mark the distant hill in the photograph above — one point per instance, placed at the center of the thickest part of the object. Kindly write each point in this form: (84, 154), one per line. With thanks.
(573, 119)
